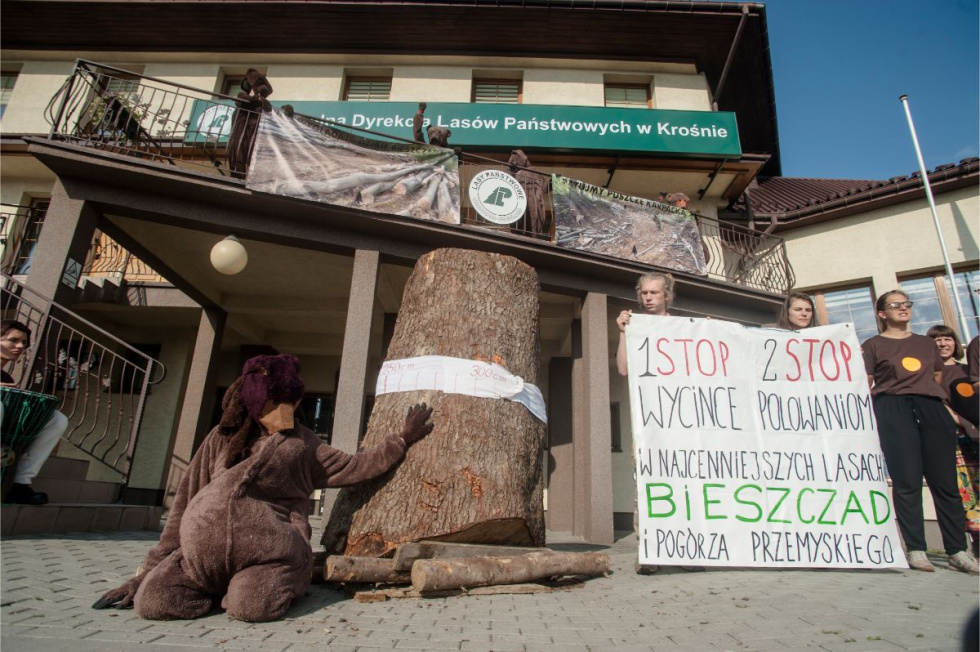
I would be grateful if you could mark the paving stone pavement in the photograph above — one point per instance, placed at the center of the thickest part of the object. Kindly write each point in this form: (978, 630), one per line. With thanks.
(48, 583)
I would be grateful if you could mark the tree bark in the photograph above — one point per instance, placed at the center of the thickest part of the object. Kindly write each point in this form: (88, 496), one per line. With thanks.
(444, 574)
(477, 478)
(408, 553)
(363, 569)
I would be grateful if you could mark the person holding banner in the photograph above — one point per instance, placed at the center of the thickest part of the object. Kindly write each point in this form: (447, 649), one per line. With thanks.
(797, 313)
(655, 293)
(917, 433)
(954, 379)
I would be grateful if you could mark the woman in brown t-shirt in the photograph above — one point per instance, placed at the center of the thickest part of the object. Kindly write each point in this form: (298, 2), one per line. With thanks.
(917, 433)
(961, 394)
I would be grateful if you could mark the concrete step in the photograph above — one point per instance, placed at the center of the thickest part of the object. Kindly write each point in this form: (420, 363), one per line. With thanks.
(54, 518)
(98, 289)
(63, 468)
(62, 490)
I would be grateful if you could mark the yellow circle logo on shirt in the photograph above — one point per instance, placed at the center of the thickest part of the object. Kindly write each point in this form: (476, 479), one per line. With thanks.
(911, 364)
(964, 389)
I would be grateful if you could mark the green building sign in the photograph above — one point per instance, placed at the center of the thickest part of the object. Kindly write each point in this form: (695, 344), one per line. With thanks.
(525, 126)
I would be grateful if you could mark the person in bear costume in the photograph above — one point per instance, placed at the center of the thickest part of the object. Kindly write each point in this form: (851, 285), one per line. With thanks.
(239, 526)
(252, 100)
(438, 136)
(535, 188)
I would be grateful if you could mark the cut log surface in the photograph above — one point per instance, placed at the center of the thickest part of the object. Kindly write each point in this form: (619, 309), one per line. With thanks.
(363, 569)
(408, 553)
(477, 478)
(442, 575)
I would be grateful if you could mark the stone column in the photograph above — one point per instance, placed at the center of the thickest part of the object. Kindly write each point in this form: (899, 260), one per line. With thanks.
(199, 399)
(591, 428)
(65, 238)
(349, 406)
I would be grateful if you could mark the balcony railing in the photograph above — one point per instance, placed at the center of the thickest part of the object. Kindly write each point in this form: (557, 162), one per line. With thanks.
(118, 111)
(102, 381)
(109, 259)
(20, 228)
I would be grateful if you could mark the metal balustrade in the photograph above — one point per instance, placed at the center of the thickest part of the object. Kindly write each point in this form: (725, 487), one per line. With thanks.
(101, 381)
(117, 111)
(20, 227)
(109, 259)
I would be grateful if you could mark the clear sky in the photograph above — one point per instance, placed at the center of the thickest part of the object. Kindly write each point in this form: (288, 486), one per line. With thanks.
(839, 68)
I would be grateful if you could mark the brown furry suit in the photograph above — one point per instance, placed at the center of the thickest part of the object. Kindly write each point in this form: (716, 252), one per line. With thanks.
(244, 532)
(245, 122)
(535, 188)
(239, 525)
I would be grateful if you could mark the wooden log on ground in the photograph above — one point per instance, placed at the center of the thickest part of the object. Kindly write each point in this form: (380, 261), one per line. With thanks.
(441, 575)
(478, 477)
(363, 569)
(506, 589)
(408, 553)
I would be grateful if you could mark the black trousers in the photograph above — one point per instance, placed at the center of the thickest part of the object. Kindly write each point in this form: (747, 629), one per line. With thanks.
(918, 437)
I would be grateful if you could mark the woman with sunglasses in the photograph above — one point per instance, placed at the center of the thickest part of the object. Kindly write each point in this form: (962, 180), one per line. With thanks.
(917, 433)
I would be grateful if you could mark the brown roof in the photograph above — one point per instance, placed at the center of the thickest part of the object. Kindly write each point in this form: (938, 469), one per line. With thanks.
(791, 199)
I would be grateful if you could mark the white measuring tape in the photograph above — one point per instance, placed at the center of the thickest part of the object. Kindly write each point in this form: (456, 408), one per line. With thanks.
(459, 376)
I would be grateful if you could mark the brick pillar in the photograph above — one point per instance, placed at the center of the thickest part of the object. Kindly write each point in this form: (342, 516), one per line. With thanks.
(349, 407)
(199, 399)
(591, 428)
(69, 226)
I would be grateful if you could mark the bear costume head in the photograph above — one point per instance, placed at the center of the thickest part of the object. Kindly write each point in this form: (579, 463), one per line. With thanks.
(439, 136)
(269, 385)
(256, 87)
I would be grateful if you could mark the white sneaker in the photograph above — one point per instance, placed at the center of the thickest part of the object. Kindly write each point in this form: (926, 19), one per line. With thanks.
(919, 561)
(964, 563)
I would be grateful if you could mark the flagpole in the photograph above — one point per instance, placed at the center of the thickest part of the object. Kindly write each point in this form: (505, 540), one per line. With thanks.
(964, 327)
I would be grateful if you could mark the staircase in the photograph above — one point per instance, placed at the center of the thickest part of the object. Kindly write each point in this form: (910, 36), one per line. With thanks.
(77, 505)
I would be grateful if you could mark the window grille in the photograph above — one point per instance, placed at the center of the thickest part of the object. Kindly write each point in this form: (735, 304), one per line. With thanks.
(496, 91)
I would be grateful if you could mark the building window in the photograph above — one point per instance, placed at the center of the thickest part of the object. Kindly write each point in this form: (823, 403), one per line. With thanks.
(935, 304)
(853, 305)
(628, 96)
(26, 247)
(7, 82)
(232, 84)
(367, 89)
(496, 91)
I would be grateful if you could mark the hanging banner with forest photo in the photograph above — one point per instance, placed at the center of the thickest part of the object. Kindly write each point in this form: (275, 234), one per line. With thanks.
(590, 218)
(303, 158)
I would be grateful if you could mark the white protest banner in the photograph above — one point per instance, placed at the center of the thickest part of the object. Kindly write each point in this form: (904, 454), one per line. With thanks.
(756, 447)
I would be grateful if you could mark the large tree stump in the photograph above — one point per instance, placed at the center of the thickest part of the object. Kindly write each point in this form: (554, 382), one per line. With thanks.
(477, 478)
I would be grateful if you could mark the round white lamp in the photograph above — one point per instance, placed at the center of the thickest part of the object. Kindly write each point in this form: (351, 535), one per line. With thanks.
(229, 256)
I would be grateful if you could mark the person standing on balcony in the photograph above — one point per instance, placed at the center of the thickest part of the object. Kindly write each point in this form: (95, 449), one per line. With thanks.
(797, 313)
(916, 431)
(15, 338)
(418, 122)
(678, 200)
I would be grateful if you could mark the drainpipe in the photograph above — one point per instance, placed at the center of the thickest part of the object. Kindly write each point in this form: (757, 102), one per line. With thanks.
(731, 55)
